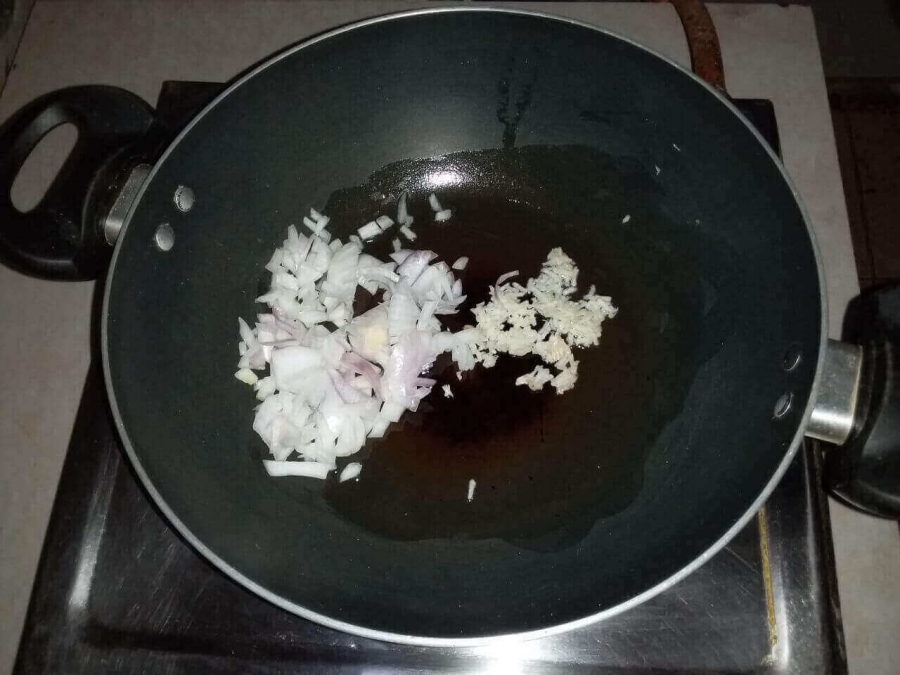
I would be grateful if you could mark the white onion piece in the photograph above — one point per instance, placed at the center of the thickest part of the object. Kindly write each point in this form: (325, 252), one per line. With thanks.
(400, 256)
(369, 231)
(307, 469)
(470, 495)
(403, 313)
(411, 355)
(443, 215)
(357, 364)
(345, 389)
(384, 222)
(392, 412)
(341, 278)
(369, 336)
(434, 203)
(265, 387)
(414, 265)
(291, 365)
(424, 321)
(379, 427)
(349, 472)
(246, 376)
(408, 233)
(507, 276)
(461, 263)
(379, 273)
(403, 216)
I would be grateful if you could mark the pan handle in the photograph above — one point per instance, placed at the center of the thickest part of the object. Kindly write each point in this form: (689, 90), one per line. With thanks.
(865, 472)
(62, 237)
(703, 42)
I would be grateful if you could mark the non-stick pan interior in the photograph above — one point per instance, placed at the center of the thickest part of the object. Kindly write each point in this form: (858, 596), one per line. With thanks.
(537, 133)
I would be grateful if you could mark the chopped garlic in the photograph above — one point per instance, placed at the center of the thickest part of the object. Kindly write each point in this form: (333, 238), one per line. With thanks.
(471, 494)
(448, 393)
(536, 379)
(508, 323)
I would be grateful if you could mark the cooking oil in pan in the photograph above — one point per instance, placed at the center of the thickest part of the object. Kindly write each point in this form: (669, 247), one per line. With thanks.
(546, 467)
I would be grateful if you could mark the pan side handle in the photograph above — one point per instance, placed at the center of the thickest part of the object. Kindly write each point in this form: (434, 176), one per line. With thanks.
(703, 42)
(62, 236)
(865, 471)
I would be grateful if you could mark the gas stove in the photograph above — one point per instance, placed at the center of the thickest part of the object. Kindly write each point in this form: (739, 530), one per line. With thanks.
(118, 590)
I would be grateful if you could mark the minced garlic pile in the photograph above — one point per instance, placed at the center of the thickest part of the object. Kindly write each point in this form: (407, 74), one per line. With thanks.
(541, 318)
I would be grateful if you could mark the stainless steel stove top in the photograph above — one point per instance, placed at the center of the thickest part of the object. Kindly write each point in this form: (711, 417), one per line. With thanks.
(119, 591)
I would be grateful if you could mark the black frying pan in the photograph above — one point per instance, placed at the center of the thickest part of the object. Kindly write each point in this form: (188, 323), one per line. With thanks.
(538, 132)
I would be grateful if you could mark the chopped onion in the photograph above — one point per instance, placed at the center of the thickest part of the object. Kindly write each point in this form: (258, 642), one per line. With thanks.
(434, 203)
(369, 231)
(384, 222)
(448, 393)
(414, 265)
(507, 276)
(379, 427)
(403, 216)
(400, 256)
(308, 469)
(461, 263)
(626, 219)
(470, 495)
(443, 215)
(291, 366)
(247, 376)
(408, 233)
(351, 471)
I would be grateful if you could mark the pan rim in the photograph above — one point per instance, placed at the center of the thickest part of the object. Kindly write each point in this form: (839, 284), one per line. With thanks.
(436, 641)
